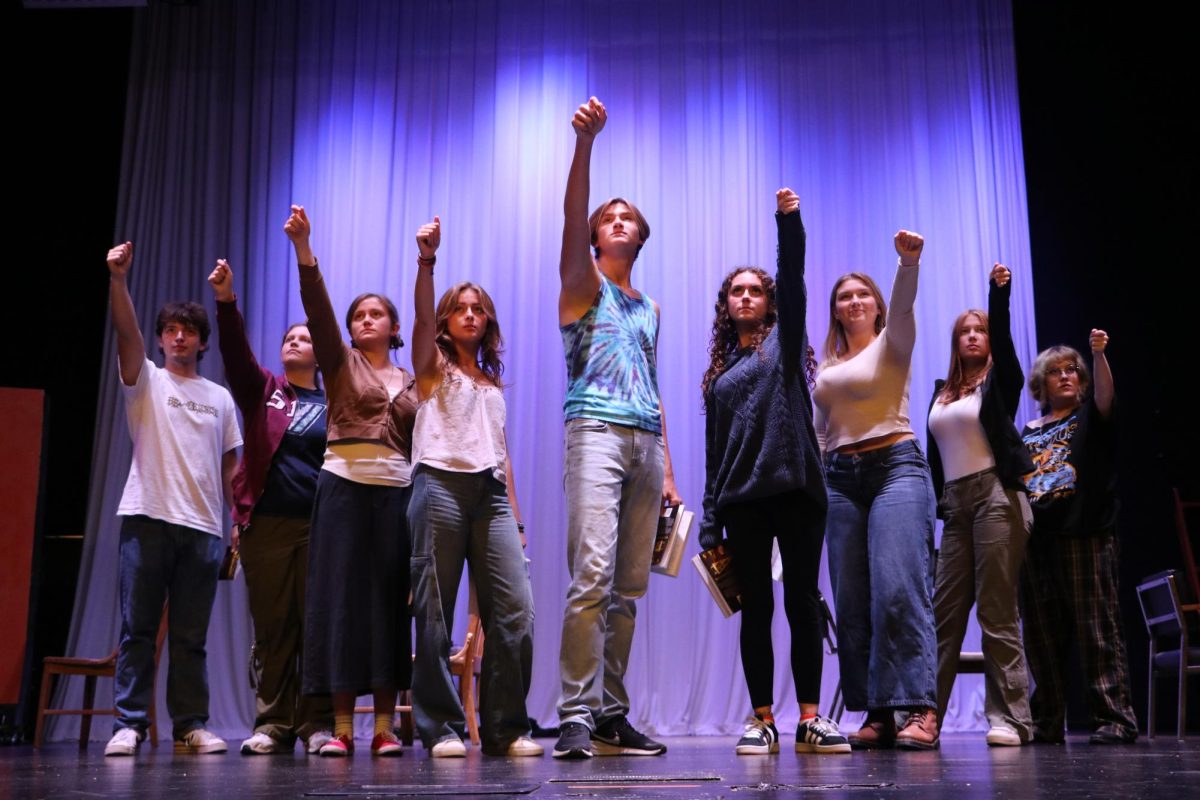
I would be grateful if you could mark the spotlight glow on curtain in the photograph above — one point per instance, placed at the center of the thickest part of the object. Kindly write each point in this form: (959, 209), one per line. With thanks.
(378, 115)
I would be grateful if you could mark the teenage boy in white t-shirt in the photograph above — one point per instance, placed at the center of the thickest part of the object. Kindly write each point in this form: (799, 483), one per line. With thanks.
(185, 439)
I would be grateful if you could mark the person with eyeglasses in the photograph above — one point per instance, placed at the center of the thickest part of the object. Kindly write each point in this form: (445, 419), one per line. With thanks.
(1069, 584)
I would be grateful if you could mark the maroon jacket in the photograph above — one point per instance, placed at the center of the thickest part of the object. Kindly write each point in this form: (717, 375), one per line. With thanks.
(266, 401)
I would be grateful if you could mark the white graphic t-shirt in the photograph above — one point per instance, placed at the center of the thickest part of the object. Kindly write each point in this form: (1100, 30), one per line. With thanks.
(181, 427)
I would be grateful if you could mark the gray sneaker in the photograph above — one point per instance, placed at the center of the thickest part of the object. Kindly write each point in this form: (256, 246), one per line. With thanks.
(198, 741)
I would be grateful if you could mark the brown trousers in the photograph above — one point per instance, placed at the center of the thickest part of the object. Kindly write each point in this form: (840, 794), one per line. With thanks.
(983, 547)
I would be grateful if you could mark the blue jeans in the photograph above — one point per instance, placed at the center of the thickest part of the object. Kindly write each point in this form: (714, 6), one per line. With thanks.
(455, 516)
(159, 562)
(613, 477)
(880, 539)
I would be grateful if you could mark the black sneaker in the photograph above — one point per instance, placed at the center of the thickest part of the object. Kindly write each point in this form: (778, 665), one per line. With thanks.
(820, 735)
(618, 738)
(759, 739)
(1111, 734)
(575, 741)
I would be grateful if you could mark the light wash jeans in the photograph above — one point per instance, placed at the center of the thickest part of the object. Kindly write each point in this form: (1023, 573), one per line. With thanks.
(454, 516)
(613, 477)
(880, 538)
(160, 561)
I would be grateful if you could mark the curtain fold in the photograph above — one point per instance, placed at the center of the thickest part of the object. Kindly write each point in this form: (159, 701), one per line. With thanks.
(377, 115)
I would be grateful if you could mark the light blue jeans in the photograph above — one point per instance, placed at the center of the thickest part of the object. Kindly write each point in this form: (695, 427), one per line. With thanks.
(454, 516)
(613, 477)
(879, 532)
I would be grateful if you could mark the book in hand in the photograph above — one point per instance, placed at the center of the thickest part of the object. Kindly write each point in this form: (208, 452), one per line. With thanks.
(673, 527)
(716, 571)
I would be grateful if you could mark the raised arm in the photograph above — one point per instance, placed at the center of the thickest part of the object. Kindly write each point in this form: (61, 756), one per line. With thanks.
(425, 355)
(791, 293)
(131, 347)
(901, 330)
(322, 321)
(1101, 373)
(242, 370)
(576, 270)
(1008, 379)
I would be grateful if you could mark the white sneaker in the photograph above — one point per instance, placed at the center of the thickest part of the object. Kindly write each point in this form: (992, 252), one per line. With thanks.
(524, 746)
(451, 747)
(316, 741)
(1003, 736)
(124, 742)
(200, 742)
(261, 744)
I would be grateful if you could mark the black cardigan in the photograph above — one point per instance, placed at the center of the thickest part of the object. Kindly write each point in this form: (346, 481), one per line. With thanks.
(998, 406)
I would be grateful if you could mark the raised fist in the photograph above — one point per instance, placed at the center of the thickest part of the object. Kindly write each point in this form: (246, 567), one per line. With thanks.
(297, 227)
(589, 119)
(1000, 275)
(787, 201)
(908, 247)
(1098, 340)
(429, 236)
(120, 258)
(221, 280)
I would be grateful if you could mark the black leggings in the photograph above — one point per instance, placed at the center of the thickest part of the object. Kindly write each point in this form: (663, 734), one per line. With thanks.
(799, 524)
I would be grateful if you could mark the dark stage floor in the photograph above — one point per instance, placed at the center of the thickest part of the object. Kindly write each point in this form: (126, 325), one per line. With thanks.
(693, 768)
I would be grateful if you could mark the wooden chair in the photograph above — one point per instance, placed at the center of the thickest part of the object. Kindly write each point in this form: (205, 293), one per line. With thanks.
(1182, 507)
(1166, 621)
(91, 669)
(465, 665)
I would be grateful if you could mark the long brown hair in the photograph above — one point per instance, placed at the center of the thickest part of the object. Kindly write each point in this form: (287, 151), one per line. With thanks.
(724, 341)
(492, 345)
(956, 379)
(836, 343)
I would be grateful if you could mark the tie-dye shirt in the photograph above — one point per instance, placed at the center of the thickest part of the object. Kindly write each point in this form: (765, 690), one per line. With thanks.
(611, 370)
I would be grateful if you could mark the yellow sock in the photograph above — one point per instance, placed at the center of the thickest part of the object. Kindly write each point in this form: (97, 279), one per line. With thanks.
(383, 721)
(343, 724)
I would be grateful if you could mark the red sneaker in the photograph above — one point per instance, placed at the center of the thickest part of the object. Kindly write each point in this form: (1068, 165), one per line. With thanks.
(338, 747)
(386, 744)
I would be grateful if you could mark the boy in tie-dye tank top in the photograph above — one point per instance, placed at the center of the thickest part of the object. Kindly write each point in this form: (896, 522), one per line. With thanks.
(617, 469)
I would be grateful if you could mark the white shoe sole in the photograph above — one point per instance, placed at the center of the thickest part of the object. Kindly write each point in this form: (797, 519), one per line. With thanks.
(603, 748)
(757, 749)
(825, 750)
(205, 750)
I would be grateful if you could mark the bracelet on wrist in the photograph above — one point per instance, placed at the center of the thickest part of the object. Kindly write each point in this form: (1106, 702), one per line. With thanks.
(426, 262)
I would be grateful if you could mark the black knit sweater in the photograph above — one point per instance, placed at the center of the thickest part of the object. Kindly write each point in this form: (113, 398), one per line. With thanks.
(759, 437)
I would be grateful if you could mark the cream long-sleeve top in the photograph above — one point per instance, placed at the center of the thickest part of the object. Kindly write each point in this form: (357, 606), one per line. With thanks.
(866, 397)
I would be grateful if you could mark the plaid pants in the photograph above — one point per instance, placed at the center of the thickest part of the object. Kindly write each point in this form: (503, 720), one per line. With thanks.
(1069, 591)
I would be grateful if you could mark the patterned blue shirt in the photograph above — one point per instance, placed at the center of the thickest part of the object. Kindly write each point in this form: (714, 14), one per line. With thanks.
(611, 370)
